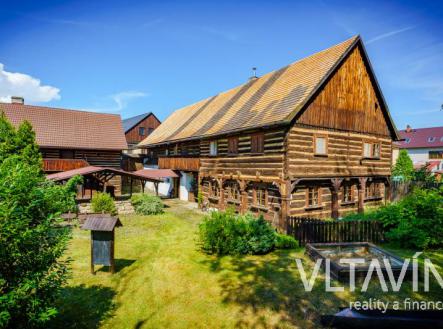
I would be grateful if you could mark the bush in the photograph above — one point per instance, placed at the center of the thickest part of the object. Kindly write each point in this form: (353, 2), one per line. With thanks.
(103, 203)
(284, 241)
(31, 241)
(145, 204)
(416, 221)
(226, 233)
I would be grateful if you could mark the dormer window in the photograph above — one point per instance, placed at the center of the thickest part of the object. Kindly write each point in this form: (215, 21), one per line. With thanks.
(407, 140)
(431, 139)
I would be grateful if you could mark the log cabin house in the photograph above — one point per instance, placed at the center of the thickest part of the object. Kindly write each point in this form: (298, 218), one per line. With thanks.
(312, 139)
(70, 139)
(139, 127)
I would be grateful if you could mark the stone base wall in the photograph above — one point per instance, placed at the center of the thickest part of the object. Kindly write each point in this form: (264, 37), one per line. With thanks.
(123, 207)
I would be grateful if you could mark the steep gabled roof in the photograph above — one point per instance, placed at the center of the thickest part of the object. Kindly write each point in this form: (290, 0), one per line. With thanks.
(130, 123)
(275, 98)
(69, 129)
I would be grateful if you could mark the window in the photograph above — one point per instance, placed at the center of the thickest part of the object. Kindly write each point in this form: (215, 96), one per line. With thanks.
(213, 148)
(257, 143)
(313, 197)
(232, 145)
(233, 191)
(431, 139)
(371, 150)
(150, 130)
(141, 131)
(320, 145)
(261, 197)
(372, 191)
(435, 154)
(67, 154)
(347, 194)
(215, 191)
(407, 140)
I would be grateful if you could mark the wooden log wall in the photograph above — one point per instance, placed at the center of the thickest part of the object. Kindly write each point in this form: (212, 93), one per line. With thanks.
(344, 158)
(93, 157)
(133, 136)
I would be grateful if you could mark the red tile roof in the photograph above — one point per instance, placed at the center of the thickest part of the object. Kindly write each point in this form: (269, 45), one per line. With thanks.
(421, 138)
(61, 128)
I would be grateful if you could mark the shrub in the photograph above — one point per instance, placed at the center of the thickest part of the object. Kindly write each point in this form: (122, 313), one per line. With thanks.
(31, 242)
(103, 203)
(145, 204)
(226, 233)
(415, 221)
(284, 241)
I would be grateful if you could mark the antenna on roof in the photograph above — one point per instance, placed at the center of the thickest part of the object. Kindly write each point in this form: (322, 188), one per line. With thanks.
(254, 74)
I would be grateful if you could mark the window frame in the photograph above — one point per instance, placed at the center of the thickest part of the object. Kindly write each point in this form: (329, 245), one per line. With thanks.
(435, 155)
(347, 196)
(372, 188)
(318, 191)
(372, 154)
(264, 196)
(233, 141)
(141, 131)
(233, 196)
(215, 143)
(325, 137)
(259, 136)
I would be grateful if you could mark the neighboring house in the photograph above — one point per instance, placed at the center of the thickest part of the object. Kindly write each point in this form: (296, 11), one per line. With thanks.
(70, 139)
(424, 145)
(139, 127)
(313, 138)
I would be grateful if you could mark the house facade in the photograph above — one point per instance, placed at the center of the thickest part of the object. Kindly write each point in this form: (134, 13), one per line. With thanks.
(139, 127)
(424, 146)
(70, 139)
(312, 139)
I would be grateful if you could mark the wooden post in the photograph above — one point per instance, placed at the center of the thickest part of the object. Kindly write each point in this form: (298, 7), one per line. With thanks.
(156, 188)
(130, 186)
(112, 253)
(388, 190)
(92, 253)
(244, 197)
(221, 200)
(335, 188)
(285, 193)
(361, 194)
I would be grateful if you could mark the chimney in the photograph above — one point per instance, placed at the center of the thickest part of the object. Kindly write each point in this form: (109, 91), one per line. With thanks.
(17, 100)
(408, 129)
(254, 74)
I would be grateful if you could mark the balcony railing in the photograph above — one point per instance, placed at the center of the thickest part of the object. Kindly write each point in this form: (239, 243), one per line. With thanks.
(55, 165)
(186, 164)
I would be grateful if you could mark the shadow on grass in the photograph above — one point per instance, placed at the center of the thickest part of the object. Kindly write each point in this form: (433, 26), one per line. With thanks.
(119, 265)
(83, 307)
(263, 284)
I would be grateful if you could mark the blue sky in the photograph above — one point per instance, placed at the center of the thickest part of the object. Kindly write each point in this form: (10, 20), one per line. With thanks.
(130, 57)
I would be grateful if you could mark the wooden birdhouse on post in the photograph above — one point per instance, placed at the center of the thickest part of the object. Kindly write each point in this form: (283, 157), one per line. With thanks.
(102, 239)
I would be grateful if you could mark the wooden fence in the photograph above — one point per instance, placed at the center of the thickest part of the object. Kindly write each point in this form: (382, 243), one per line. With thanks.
(400, 189)
(308, 230)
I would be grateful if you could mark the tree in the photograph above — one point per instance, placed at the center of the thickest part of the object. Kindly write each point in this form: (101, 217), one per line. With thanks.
(31, 241)
(403, 168)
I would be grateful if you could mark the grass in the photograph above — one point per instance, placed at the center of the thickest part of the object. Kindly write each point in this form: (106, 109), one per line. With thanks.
(164, 281)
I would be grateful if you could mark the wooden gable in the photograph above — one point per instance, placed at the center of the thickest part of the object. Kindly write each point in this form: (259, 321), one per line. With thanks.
(348, 101)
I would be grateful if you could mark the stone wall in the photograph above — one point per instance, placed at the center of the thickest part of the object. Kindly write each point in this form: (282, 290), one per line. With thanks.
(123, 207)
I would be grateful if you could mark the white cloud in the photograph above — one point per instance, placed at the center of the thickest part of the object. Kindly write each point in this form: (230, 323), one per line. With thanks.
(19, 84)
(389, 34)
(120, 101)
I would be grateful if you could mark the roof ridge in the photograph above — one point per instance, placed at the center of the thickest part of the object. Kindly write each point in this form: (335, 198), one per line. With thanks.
(60, 109)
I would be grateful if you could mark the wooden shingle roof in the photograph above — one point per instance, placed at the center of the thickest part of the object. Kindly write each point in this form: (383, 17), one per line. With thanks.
(69, 129)
(274, 98)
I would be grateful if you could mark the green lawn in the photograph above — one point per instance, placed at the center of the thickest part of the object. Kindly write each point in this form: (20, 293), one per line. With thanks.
(164, 281)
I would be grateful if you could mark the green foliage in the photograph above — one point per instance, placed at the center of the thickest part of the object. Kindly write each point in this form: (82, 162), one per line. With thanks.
(284, 241)
(416, 221)
(103, 203)
(423, 175)
(31, 241)
(200, 198)
(403, 168)
(225, 233)
(145, 204)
